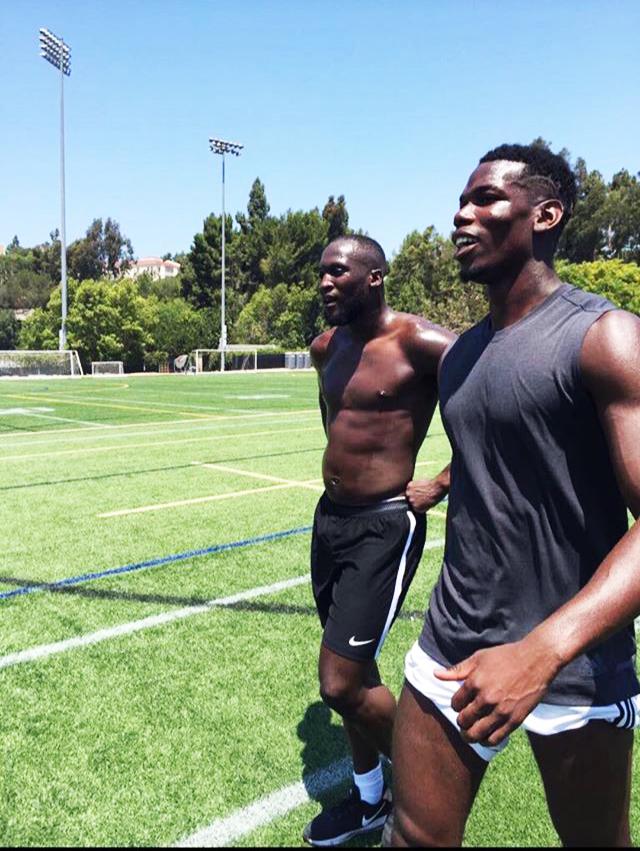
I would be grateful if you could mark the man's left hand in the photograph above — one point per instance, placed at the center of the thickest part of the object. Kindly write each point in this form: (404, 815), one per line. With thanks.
(501, 685)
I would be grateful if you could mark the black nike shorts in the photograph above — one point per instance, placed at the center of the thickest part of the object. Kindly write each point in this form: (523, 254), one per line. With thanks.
(362, 562)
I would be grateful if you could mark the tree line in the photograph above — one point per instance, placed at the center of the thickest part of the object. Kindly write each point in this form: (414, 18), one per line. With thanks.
(272, 275)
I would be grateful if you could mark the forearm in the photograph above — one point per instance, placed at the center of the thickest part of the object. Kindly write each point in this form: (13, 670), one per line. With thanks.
(609, 601)
(442, 482)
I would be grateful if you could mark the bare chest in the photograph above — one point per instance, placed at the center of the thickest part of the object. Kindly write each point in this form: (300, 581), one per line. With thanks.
(376, 377)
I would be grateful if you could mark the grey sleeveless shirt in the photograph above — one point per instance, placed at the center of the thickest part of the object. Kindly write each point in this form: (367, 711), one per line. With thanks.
(534, 506)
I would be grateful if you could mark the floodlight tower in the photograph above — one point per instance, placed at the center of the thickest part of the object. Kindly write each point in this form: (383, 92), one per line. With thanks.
(219, 146)
(55, 51)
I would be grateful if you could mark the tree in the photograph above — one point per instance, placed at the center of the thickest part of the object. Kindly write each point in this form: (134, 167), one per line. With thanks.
(102, 251)
(584, 235)
(256, 234)
(424, 280)
(201, 275)
(21, 285)
(294, 254)
(613, 279)
(336, 216)
(177, 327)
(8, 329)
(46, 258)
(622, 217)
(258, 206)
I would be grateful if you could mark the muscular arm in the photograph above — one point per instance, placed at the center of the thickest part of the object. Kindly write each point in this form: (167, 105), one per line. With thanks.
(503, 684)
(317, 352)
(423, 494)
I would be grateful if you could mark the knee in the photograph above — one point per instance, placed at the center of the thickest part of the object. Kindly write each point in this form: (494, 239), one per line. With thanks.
(340, 694)
(407, 833)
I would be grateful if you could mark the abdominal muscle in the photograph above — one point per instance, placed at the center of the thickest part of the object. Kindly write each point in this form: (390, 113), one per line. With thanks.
(369, 457)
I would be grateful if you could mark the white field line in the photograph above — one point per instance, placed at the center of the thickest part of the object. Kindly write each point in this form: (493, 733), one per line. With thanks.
(283, 485)
(148, 444)
(180, 405)
(222, 832)
(68, 420)
(209, 422)
(311, 484)
(43, 651)
(89, 403)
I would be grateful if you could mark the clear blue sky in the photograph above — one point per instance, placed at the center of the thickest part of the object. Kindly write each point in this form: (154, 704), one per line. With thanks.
(387, 102)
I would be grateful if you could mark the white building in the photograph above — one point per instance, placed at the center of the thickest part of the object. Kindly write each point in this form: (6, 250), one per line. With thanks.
(154, 266)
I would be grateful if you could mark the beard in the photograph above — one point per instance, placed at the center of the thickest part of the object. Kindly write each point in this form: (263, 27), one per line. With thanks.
(345, 312)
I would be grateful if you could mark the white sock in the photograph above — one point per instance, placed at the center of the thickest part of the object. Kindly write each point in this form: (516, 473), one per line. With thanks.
(370, 785)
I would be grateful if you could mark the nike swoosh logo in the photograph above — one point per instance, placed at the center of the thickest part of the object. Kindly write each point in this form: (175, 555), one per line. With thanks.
(354, 643)
(367, 821)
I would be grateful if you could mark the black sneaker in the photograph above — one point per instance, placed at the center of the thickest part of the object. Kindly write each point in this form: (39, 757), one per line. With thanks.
(349, 818)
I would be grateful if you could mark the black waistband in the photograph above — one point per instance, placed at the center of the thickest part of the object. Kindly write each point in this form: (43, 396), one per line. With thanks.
(331, 507)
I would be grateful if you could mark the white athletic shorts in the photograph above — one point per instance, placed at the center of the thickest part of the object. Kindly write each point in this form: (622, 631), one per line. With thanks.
(546, 719)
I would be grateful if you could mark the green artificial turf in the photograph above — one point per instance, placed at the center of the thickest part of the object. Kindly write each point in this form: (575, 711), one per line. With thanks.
(144, 738)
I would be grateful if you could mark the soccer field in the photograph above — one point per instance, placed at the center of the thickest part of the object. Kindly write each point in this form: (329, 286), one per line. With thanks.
(159, 638)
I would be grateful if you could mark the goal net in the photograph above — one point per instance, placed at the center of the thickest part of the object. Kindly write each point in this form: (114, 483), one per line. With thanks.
(233, 358)
(106, 368)
(24, 363)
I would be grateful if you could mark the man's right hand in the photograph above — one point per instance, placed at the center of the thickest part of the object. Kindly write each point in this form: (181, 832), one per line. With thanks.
(423, 494)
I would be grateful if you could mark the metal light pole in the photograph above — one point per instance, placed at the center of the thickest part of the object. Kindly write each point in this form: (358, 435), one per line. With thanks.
(219, 146)
(55, 51)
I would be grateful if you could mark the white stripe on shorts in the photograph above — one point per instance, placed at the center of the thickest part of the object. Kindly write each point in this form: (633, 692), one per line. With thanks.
(398, 586)
(545, 720)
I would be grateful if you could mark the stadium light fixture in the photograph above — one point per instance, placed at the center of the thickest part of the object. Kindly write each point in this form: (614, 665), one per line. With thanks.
(58, 54)
(220, 146)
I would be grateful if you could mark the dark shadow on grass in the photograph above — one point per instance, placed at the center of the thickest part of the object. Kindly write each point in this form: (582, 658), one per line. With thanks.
(309, 611)
(101, 593)
(325, 745)
(247, 606)
(153, 470)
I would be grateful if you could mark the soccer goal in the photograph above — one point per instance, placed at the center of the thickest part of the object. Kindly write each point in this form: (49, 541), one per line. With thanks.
(233, 358)
(25, 363)
(107, 368)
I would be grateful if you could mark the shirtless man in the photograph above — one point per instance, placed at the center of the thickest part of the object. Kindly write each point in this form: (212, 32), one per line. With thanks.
(531, 621)
(377, 376)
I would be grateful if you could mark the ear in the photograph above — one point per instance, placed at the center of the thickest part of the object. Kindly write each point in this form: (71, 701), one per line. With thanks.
(548, 215)
(375, 277)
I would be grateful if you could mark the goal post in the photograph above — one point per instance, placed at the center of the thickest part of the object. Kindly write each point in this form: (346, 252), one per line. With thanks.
(28, 363)
(233, 358)
(106, 368)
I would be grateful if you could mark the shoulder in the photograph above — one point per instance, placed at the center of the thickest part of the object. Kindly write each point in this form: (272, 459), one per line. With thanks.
(423, 338)
(319, 346)
(610, 355)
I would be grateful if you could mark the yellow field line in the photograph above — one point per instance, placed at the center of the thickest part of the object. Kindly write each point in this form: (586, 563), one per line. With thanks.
(91, 404)
(311, 484)
(149, 445)
(200, 499)
(30, 437)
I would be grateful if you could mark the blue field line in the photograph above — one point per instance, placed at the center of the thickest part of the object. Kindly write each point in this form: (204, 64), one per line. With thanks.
(155, 562)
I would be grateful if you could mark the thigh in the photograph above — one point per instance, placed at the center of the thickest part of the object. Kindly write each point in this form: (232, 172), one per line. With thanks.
(587, 779)
(435, 775)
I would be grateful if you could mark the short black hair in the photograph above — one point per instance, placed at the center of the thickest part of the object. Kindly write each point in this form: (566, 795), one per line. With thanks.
(369, 247)
(546, 174)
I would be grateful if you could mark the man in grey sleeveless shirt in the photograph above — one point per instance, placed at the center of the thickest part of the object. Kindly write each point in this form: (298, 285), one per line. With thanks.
(531, 620)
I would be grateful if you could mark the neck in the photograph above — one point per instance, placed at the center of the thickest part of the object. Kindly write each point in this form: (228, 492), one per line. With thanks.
(511, 297)
(371, 323)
